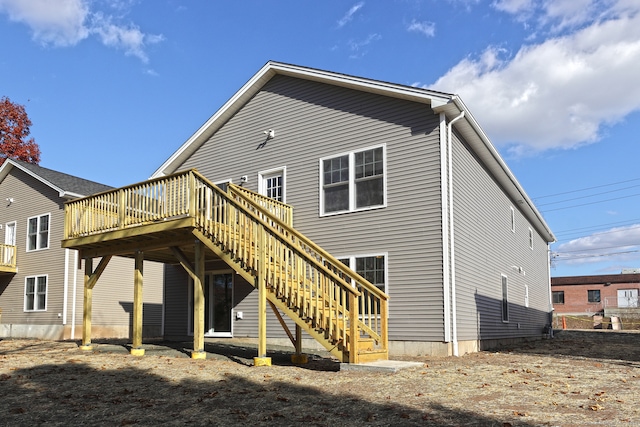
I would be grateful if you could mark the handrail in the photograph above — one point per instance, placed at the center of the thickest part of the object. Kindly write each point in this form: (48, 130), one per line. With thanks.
(298, 271)
(321, 254)
(282, 211)
(7, 255)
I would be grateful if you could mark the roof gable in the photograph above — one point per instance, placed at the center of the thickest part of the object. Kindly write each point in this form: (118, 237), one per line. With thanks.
(449, 105)
(66, 185)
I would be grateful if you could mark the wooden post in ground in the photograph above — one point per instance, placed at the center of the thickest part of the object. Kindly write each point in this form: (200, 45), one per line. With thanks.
(136, 347)
(86, 311)
(261, 284)
(90, 279)
(198, 304)
(299, 358)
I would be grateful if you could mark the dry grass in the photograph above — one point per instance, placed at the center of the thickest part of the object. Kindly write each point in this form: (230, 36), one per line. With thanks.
(580, 378)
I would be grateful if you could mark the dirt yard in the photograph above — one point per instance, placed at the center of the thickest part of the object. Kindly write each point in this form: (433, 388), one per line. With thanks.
(579, 378)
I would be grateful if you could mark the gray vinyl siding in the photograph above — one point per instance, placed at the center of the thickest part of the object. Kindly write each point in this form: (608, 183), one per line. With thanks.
(31, 198)
(314, 121)
(485, 249)
(113, 294)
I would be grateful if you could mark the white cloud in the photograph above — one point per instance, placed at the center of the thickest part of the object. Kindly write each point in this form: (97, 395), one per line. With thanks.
(349, 15)
(618, 244)
(68, 22)
(358, 47)
(60, 23)
(559, 93)
(514, 7)
(424, 27)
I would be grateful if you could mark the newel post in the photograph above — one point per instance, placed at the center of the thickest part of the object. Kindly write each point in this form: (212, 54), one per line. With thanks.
(354, 333)
(122, 208)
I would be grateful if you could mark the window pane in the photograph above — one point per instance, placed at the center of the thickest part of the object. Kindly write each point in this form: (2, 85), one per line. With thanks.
(31, 285)
(369, 192)
(44, 223)
(336, 170)
(42, 299)
(505, 300)
(558, 297)
(593, 296)
(33, 225)
(29, 298)
(336, 198)
(369, 163)
(42, 284)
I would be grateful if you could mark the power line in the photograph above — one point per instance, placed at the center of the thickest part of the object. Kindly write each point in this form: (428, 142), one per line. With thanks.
(557, 257)
(585, 189)
(587, 196)
(630, 221)
(591, 203)
(609, 232)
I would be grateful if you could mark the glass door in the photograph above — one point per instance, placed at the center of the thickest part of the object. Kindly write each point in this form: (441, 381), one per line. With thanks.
(218, 304)
(218, 297)
(9, 239)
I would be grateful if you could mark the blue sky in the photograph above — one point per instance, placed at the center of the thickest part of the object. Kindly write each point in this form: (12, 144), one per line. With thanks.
(114, 87)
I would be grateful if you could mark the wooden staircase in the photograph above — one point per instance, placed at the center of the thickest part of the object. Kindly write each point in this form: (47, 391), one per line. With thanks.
(254, 236)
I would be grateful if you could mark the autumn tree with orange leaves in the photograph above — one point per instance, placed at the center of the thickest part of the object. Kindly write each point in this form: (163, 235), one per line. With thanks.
(14, 134)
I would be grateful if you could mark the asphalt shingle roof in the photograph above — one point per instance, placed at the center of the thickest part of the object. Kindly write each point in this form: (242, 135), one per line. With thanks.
(66, 182)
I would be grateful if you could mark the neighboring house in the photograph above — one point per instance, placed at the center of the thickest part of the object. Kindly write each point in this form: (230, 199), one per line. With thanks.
(41, 284)
(589, 295)
(397, 182)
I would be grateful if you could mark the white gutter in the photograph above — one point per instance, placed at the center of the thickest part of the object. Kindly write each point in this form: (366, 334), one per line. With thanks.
(454, 323)
(445, 227)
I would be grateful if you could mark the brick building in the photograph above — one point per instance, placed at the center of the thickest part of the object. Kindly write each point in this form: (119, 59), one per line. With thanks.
(580, 295)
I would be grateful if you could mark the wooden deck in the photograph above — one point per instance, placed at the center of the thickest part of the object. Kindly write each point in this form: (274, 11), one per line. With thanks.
(185, 219)
(8, 259)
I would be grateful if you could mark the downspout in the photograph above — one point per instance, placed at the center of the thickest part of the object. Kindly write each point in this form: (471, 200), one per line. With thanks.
(445, 227)
(454, 323)
(73, 300)
(550, 291)
(65, 285)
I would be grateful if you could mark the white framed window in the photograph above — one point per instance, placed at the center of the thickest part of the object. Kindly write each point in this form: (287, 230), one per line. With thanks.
(505, 299)
(526, 296)
(372, 267)
(513, 219)
(530, 238)
(272, 183)
(353, 181)
(35, 293)
(38, 232)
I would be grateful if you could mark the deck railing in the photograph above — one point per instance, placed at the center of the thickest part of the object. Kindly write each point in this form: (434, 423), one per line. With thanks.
(259, 236)
(7, 256)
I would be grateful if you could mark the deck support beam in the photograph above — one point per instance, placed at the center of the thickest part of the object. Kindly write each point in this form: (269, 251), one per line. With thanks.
(136, 347)
(90, 279)
(261, 285)
(198, 303)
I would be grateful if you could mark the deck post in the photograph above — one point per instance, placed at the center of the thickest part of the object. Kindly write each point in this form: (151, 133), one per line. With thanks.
(86, 312)
(261, 284)
(136, 347)
(198, 303)
(299, 358)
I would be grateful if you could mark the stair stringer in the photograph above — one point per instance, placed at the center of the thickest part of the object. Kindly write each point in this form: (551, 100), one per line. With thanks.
(250, 277)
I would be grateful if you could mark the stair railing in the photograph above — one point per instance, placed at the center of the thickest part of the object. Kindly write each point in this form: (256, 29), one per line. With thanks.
(323, 291)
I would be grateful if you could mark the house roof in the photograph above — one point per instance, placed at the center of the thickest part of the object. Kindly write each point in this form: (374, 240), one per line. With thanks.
(68, 186)
(595, 280)
(449, 104)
